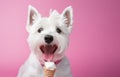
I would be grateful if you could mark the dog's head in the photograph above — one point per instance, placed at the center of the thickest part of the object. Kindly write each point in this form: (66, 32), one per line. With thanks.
(48, 36)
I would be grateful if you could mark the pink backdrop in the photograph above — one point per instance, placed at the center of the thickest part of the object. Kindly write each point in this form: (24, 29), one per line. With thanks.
(94, 49)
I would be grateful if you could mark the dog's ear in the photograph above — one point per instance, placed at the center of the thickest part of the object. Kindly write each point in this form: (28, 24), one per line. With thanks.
(33, 16)
(68, 15)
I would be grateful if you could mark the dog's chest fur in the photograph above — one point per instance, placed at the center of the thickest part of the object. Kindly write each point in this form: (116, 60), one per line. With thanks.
(32, 68)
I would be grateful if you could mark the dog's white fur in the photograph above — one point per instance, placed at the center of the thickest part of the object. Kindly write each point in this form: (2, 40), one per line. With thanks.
(32, 67)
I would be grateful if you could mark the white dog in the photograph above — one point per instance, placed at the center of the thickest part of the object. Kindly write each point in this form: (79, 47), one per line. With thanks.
(48, 39)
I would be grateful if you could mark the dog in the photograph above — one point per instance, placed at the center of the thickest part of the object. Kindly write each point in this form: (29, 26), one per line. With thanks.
(48, 38)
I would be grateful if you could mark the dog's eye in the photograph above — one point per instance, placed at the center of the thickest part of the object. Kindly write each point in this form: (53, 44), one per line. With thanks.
(58, 30)
(39, 30)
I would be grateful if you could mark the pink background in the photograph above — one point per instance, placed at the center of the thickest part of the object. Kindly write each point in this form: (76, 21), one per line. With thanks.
(94, 49)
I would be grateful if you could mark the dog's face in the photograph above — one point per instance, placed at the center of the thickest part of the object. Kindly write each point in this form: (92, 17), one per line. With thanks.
(48, 36)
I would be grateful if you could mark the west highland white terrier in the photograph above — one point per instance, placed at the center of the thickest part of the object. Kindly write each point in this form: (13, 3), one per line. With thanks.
(48, 38)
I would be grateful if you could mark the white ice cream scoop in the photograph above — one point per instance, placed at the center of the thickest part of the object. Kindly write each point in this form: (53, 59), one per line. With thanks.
(50, 65)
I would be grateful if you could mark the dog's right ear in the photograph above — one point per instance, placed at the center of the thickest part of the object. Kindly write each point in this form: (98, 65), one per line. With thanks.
(33, 16)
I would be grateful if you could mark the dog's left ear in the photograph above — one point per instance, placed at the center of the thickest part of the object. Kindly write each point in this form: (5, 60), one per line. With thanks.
(33, 16)
(68, 15)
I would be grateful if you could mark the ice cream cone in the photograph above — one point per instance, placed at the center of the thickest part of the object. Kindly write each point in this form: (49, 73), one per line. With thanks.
(49, 69)
(48, 72)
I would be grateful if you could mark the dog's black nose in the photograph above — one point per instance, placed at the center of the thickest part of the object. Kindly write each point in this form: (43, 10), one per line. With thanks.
(48, 38)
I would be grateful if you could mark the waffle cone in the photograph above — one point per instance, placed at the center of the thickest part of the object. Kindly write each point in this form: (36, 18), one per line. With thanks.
(48, 72)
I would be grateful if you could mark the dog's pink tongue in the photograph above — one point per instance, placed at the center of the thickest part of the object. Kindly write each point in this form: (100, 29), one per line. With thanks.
(48, 52)
(48, 57)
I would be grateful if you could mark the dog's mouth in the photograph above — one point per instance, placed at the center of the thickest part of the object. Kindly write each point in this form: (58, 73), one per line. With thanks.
(48, 51)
